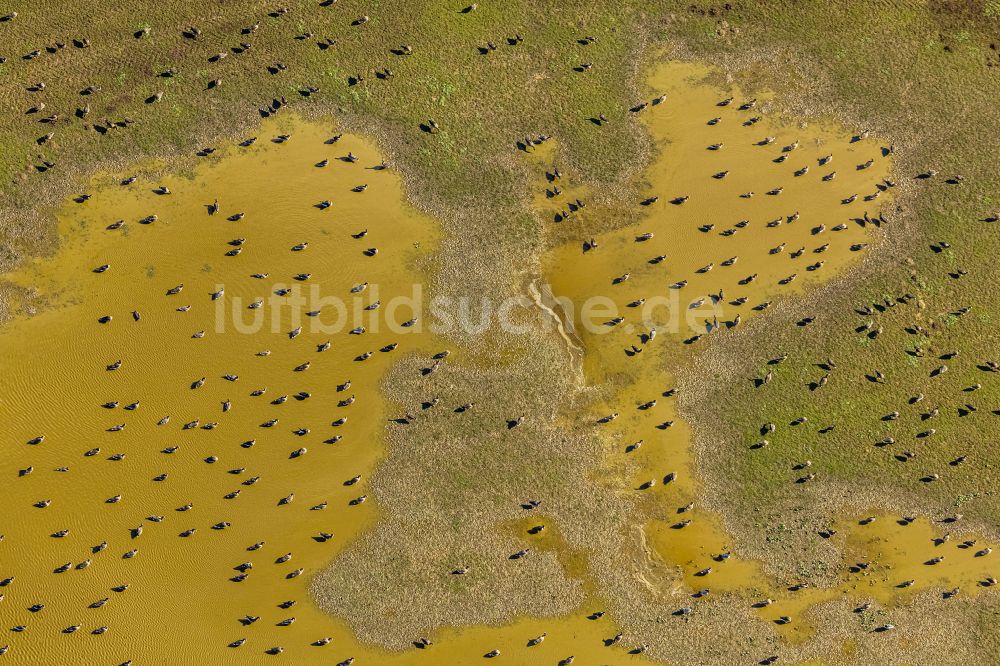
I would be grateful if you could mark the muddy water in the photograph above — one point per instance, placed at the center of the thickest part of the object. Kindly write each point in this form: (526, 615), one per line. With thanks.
(720, 256)
(55, 384)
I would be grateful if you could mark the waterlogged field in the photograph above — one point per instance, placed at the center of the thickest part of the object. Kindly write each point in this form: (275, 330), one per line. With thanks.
(191, 424)
(245, 440)
(744, 208)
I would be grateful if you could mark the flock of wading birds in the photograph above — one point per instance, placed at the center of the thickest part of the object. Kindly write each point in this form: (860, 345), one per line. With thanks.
(869, 329)
(243, 569)
(431, 126)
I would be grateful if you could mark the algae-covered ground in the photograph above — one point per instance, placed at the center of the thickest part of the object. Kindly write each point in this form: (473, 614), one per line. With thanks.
(868, 390)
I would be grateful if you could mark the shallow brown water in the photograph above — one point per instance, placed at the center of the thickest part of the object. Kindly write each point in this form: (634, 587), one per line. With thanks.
(55, 384)
(629, 368)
